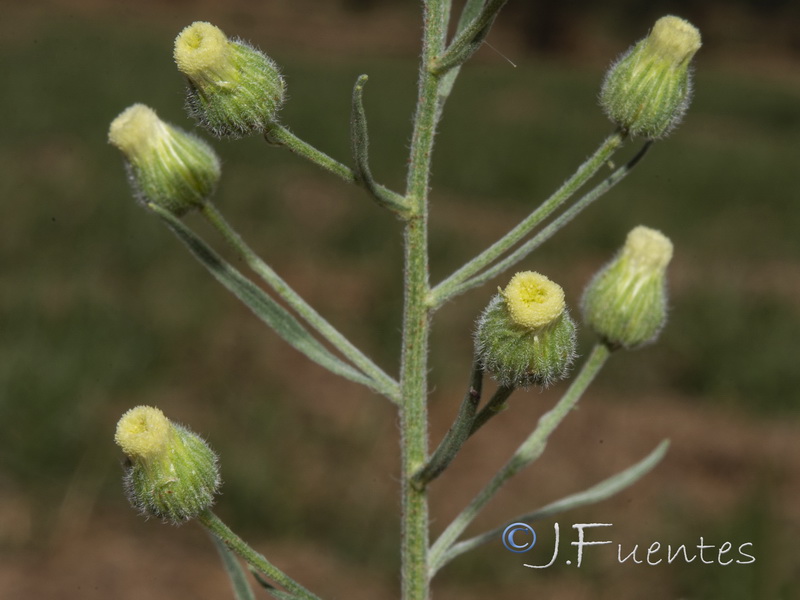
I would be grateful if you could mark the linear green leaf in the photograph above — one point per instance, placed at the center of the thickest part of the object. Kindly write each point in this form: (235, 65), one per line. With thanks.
(241, 587)
(359, 141)
(264, 306)
(596, 493)
(470, 37)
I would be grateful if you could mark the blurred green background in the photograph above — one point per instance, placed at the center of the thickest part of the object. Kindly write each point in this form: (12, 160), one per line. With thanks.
(102, 310)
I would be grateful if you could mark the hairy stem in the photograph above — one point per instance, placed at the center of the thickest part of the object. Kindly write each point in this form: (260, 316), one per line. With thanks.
(213, 523)
(383, 383)
(527, 452)
(554, 226)
(416, 316)
(446, 288)
(495, 405)
(280, 135)
(596, 493)
(457, 434)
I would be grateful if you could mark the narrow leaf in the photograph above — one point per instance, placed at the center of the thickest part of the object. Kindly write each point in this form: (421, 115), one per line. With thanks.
(241, 588)
(359, 139)
(470, 38)
(264, 306)
(358, 135)
(470, 12)
(601, 491)
(271, 589)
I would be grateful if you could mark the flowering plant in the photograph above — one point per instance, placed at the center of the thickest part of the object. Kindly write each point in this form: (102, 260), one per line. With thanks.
(525, 337)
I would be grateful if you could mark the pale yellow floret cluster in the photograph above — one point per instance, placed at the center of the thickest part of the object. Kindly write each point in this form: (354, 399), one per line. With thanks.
(674, 40)
(648, 249)
(533, 300)
(136, 131)
(203, 50)
(143, 433)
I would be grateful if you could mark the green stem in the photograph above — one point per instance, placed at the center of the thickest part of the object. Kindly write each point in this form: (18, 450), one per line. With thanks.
(240, 547)
(359, 139)
(446, 288)
(416, 316)
(496, 405)
(239, 580)
(527, 452)
(469, 12)
(264, 306)
(457, 434)
(382, 382)
(469, 38)
(556, 225)
(278, 134)
(596, 493)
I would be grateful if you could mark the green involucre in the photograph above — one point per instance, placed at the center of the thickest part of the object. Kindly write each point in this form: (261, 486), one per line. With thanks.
(520, 357)
(177, 485)
(241, 107)
(626, 309)
(178, 178)
(648, 89)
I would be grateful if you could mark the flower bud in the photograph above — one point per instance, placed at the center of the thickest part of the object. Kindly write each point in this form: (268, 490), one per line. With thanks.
(526, 336)
(166, 166)
(626, 302)
(648, 89)
(234, 90)
(171, 474)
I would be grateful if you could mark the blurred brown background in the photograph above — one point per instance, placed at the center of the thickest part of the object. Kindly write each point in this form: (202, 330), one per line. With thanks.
(101, 310)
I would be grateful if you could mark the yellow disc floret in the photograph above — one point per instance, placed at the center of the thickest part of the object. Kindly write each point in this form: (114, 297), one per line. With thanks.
(202, 51)
(136, 130)
(533, 300)
(647, 249)
(674, 39)
(167, 167)
(233, 89)
(626, 301)
(143, 433)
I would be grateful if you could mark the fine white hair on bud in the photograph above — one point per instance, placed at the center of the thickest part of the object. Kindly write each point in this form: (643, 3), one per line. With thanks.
(171, 472)
(525, 335)
(166, 165)
(648, 89)
(626, 301)
(233, 89)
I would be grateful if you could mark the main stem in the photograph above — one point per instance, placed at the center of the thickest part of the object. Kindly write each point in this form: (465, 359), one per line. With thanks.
(416, 314)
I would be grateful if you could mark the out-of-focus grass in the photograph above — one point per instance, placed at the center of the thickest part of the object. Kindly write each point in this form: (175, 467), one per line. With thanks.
(101, 309)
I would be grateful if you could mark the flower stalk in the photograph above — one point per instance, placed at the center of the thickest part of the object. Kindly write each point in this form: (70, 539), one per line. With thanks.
(528, 451)
(448, 288)
(382, 382)
(280, 135)
(215, 526)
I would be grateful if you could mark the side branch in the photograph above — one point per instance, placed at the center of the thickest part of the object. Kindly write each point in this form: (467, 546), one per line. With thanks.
(281, 136)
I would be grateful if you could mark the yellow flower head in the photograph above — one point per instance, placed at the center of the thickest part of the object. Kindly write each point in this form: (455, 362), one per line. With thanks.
(172, 473)
(138, 132)
(648, 89)
(674, 39)
(647, 249)
(626, 301)
(202, 51)
(166, 165)
(233, 89)
(143, 433)
(533, 300)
